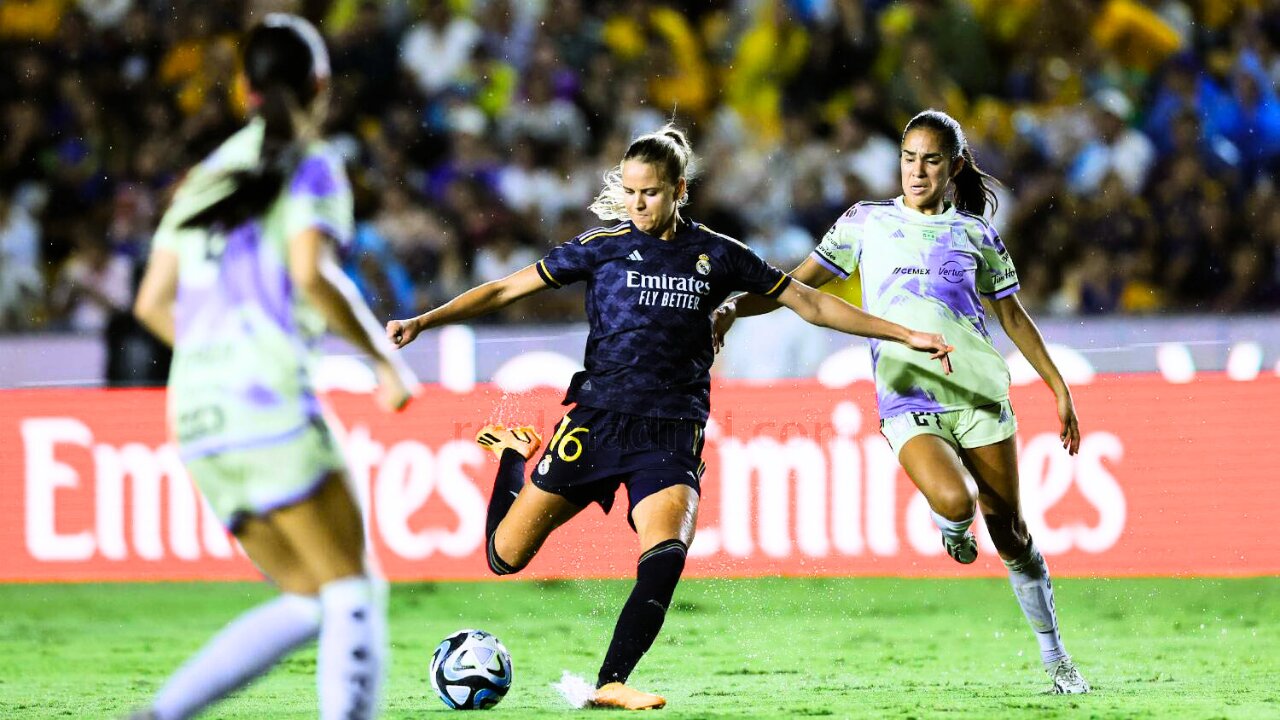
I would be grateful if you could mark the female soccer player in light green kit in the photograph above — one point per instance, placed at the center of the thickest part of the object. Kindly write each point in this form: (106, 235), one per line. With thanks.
(242, 281)
(924, 263)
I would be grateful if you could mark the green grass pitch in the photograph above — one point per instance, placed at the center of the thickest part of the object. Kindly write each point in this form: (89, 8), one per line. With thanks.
(765, 648)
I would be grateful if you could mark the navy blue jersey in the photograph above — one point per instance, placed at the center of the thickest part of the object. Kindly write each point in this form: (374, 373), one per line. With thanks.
(649, 303)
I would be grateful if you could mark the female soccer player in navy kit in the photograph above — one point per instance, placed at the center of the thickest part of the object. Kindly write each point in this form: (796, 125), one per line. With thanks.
(642, 402)
(926, 261)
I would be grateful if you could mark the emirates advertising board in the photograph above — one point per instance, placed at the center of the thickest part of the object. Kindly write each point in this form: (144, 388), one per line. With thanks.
(1172, 479)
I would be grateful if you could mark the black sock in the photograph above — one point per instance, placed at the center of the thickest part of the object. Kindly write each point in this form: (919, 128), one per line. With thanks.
(496, 564)
(508, 483)
(641, 618)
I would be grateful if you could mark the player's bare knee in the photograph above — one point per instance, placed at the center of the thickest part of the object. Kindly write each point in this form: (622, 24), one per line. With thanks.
(956, 504)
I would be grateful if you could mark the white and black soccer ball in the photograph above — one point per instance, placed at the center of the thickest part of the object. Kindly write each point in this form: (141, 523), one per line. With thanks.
(471, 670)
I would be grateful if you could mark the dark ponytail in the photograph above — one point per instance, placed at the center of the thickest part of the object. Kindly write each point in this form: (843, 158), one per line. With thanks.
(973, 186)
(284, 59)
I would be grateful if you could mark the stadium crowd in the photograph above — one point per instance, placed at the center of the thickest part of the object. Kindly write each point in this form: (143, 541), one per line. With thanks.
(1139, 141)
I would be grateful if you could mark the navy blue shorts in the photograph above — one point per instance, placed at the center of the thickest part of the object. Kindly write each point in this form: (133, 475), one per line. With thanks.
(593, 451)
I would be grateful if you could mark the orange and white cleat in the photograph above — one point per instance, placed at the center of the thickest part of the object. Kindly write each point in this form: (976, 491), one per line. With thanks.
(617, 695)
(524, 439)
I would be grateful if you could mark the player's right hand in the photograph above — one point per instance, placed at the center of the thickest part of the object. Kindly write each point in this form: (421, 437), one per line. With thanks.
(934, 344)
(402, 332)
(721, 320)
(395, 385)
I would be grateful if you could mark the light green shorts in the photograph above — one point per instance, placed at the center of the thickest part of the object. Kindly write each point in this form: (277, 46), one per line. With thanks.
(968, 428)
(254, 480)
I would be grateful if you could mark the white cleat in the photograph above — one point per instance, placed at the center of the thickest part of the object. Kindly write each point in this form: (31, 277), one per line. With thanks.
(1066, 678)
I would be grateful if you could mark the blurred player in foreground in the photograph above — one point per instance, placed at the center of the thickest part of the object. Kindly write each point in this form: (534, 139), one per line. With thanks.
(642, 402)
(242, 281)
(926, 261)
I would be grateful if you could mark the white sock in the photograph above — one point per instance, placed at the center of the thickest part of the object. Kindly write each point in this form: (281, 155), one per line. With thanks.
(349, 671)
(1029, 576)
(952, 530)
(240, 652)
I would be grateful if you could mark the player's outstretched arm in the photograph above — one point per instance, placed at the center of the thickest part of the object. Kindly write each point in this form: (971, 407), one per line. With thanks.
(1022, 330)
(154, 305)
(830, 311)
(479, 300)
(314, 270)
(746, 305)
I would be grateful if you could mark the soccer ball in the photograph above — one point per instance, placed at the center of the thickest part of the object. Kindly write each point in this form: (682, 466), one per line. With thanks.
(471, 670)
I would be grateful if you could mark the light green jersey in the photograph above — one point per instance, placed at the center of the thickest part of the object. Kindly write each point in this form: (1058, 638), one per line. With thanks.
(244, 337)
(926, 272)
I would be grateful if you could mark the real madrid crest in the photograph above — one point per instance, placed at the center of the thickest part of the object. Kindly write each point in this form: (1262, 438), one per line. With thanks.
(704, 265)
(545, 465)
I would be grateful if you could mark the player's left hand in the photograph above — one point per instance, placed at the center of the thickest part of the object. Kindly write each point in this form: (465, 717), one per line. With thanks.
(1070, 434)
(721, 320)
(934, 344)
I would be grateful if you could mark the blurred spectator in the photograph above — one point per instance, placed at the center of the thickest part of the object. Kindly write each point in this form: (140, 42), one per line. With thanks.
(31, 19)
(872, 157)
(921, 83)
(1135, 35)
(550, 122)
(105, 14)
(378, 274)
(663, 42)
(19, 234)
(843, 47)
(1208, 266)
(953, 32)
(415, 235)
(769, 54)
(366, 52)
(1099, 283)
(500, 257)
(508, 29)
(1257, 132)
(1143, 291)
(1115, 148)
(94, 285)
(575, 35)
(1269, 245)
(436, 49)
(21, 282)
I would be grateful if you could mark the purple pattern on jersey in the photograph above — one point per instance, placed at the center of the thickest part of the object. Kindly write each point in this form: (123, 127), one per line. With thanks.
(955, 272)
(245, 280)
(313, 177)
(242, 280)
(912, 397)
(649, 305)
(261, 395)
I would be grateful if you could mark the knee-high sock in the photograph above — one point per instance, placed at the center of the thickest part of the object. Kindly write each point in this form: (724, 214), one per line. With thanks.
(350, 663)
(505, 488)
(641, 618)
(1029, 576)
(952, 530)
(240, 652)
